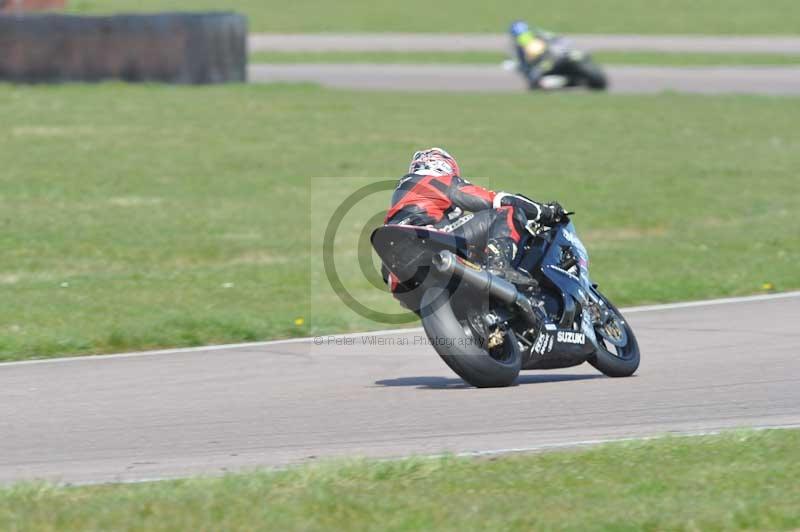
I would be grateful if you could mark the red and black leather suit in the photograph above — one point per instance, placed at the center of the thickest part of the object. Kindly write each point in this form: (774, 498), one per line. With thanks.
(453, 204)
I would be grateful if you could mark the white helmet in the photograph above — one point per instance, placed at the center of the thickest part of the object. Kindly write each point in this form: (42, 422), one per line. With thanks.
(433, 161)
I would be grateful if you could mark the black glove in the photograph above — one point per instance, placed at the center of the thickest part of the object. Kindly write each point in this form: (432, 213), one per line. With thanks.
(554, 212)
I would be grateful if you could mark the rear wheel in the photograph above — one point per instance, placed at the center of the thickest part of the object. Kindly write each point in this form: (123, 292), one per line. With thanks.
(618, 355)
(595, 77)
(461, 343)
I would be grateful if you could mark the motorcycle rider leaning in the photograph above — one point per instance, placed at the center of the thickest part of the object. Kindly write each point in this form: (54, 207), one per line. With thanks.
(532, 48)
(434, 194)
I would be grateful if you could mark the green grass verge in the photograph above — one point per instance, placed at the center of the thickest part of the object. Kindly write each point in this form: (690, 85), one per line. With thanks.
(570, 16)
(610, 58)
(145, 216)
(736, 481)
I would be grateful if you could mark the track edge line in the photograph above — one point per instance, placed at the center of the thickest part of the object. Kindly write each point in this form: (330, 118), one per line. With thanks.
(265, 343)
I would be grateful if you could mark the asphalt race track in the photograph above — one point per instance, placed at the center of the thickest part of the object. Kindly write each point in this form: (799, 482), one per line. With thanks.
(492, 78)
(706, 367)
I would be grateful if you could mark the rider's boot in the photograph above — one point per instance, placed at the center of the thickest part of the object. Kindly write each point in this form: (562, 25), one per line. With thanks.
(499, 254)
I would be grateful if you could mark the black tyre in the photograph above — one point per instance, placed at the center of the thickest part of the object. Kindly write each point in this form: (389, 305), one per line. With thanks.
(619, 351)
(595, 77)
(463, 350)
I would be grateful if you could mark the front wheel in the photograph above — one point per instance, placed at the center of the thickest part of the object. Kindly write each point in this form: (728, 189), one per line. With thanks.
(463, 349)
(618, 355)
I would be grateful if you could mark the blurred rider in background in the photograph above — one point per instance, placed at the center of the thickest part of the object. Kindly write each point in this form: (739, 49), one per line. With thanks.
(433, 194)
(534, 51)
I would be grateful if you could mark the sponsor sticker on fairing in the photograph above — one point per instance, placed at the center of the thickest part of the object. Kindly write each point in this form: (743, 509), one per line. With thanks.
(543, 344)
(568, 337)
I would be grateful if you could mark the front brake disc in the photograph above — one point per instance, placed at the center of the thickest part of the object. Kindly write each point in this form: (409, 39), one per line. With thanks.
(614, 331)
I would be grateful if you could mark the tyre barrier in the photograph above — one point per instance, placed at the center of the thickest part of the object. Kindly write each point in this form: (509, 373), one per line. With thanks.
(187, 48)
(31, 5)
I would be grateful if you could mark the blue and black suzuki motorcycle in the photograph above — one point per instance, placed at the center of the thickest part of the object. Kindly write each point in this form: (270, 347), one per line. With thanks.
(487, 329)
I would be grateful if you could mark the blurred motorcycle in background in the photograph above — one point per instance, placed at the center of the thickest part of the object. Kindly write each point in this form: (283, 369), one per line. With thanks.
(549, 61)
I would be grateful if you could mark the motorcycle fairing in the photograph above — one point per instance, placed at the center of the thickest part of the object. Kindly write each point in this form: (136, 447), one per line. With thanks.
(574, 289)
(555, 347)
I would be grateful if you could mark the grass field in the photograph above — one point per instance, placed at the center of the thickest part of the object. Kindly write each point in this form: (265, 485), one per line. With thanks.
(738, 481)
(605, 58)
(145, 216)
(575, 16)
